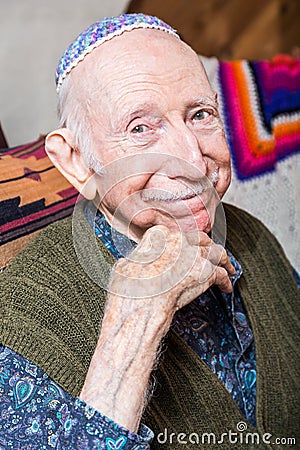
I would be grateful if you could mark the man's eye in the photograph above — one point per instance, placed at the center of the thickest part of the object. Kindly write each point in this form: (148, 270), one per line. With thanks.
(140, 129)
(201, 114)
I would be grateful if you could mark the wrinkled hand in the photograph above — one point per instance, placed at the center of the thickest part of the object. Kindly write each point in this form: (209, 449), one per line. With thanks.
(173, 267)
(165, 272)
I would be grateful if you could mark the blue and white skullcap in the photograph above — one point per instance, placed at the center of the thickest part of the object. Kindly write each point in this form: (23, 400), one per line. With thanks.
(103, 31)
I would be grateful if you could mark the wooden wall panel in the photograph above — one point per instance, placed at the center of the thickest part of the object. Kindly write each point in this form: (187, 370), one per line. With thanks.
(231, 29)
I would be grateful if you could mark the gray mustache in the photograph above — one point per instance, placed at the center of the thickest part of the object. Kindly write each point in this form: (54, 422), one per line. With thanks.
(184, 194)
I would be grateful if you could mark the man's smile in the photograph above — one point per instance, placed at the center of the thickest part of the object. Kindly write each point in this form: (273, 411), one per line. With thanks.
(186, 193)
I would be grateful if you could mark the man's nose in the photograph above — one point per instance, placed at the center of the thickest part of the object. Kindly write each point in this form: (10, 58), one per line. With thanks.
(186, 149)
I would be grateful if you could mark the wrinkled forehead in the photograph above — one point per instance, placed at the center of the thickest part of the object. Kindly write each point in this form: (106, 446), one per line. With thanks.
(101, 32)
(138, 57)
(141, 66)
(140, 51)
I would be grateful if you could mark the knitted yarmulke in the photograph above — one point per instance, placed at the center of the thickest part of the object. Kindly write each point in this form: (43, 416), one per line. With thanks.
(100, 32)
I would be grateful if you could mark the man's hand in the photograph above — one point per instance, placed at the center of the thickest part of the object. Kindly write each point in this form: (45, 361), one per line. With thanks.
(173, 266)
(165, 272)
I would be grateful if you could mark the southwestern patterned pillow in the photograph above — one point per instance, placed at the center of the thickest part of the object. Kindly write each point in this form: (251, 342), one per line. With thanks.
(33, 194)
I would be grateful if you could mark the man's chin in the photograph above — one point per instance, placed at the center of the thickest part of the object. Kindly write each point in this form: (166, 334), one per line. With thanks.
(200, 221)
(201, 213)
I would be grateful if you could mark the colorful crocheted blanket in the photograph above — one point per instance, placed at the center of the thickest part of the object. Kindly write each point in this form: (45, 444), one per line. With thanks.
(261, 112)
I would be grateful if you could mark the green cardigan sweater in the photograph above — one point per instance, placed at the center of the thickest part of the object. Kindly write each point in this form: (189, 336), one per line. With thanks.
(51, 313)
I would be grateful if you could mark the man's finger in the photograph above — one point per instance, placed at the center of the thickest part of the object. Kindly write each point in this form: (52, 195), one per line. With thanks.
(197, 237)
(222, 280)
(212, 274)
(204, 279)
(217, 255)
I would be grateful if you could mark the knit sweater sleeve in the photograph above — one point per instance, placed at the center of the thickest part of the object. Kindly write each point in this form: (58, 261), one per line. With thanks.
(38, 413)
(51, 310)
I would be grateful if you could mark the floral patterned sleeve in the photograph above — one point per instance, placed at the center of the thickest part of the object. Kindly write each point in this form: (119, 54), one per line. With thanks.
(36, 413)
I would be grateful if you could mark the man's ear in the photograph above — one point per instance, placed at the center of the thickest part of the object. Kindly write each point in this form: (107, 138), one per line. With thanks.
(68, 160)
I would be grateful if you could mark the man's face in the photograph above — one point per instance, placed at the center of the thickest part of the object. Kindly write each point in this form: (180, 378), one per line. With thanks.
(157, 131)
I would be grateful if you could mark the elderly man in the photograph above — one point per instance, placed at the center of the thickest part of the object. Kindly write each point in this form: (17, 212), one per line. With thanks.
(142, 140)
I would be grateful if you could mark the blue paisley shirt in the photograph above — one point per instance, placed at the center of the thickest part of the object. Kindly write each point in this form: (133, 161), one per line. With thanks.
(35, 413)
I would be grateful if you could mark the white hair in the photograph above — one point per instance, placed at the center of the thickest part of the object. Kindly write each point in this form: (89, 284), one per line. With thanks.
(74, 113)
